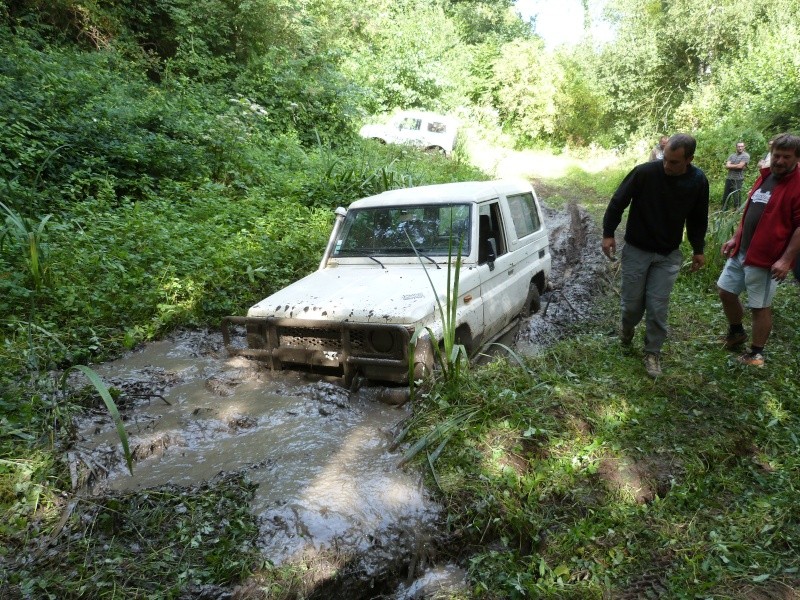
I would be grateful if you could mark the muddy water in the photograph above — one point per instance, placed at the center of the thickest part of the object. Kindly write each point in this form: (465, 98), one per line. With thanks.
(319, 454)
(328, 482)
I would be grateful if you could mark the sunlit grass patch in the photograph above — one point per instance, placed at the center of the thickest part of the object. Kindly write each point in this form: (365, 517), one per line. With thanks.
(684, 485)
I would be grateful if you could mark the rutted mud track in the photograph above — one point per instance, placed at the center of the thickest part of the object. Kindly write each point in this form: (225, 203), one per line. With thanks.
(329, 490)
(578, 275)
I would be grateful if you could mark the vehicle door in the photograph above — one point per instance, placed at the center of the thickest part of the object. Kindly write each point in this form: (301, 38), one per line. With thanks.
(502, 293)
(529, 241)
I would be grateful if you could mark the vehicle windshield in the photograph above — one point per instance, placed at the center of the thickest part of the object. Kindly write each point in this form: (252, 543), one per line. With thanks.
(391, 230)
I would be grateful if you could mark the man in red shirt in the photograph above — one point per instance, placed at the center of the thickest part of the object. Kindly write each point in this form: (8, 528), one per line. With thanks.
(764, 248)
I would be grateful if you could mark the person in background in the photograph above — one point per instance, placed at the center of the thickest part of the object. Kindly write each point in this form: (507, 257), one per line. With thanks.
(736, 164)
(657, 153)
(764, 162)
(664, 197)
(763, 249)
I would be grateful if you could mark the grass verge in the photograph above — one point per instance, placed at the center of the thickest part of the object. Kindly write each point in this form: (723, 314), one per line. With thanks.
(579, 477)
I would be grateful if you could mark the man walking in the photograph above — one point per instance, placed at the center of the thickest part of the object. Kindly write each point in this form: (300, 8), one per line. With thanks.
(736, 164)
(664, 196)
(763, 249)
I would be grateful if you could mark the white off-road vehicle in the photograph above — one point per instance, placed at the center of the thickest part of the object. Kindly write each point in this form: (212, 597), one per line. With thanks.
(421, 129)
(375, 283)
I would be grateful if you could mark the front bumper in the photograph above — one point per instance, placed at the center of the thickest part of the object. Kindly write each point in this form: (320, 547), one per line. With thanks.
(377, 351)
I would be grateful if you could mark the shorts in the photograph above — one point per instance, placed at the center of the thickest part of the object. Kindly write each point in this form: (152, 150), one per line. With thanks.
(737, 277)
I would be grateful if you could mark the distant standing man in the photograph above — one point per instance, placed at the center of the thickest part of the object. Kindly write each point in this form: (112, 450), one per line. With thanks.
(736, 164)
(657, 153)
(664, 196)
(763, 249)
(764, 162)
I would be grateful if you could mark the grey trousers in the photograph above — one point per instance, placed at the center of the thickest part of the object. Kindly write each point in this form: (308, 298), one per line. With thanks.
(732, 185)
(647, 280)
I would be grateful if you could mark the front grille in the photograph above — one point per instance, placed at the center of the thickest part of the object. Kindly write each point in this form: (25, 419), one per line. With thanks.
(320, 338)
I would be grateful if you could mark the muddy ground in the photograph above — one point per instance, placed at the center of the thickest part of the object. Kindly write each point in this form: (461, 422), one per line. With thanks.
(329, 493)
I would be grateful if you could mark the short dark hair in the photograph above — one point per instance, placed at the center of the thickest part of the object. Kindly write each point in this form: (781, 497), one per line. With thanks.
(787, 141)
(685, 141)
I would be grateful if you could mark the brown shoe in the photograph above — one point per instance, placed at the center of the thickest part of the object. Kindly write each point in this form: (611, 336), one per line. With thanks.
(652, 364)
(733, 340)
(752, 359)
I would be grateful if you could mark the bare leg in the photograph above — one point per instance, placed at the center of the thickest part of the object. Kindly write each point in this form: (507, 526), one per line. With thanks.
(762, 325)
(733, 309)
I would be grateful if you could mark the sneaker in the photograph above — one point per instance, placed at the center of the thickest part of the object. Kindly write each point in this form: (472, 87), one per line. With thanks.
(652, 364)
(733, 340)
(752, 359)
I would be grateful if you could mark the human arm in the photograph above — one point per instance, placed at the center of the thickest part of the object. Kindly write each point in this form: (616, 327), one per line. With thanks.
(781, 267)
(697, 223)
(613, 215)
(732, 166)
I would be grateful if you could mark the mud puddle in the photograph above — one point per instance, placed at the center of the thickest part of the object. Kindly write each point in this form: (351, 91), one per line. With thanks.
(579, 275)
(321, 456)
(318, 453)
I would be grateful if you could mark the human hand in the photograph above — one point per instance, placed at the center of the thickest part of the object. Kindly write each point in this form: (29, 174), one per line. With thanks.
(698, 261)
(609, 247)
(727, 248)
(780, 269)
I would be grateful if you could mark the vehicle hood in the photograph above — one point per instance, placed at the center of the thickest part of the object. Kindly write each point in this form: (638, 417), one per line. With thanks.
(397, 294)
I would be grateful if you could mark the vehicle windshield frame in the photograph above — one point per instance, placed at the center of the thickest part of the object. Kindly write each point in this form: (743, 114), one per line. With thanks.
(385, 230)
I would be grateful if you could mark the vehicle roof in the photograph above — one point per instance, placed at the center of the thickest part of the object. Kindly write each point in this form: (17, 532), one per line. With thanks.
(445, 193)
(425, 114)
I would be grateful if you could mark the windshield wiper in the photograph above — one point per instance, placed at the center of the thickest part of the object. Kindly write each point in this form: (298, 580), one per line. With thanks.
(429, 258)
(376, 260)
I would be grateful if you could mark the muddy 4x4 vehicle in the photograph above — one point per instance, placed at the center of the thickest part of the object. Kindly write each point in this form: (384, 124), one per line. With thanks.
(374, 287)
(425, 130)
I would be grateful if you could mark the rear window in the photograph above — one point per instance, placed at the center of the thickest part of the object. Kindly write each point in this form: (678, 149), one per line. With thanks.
(436, 127)
(524, 214)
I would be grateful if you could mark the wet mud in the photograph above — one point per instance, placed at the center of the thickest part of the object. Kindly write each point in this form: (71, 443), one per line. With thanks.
(579, 274)
(329, 490)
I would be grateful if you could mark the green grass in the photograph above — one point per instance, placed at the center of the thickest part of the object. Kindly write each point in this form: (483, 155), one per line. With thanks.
(570, 476)
(579, 477)
(150, 544)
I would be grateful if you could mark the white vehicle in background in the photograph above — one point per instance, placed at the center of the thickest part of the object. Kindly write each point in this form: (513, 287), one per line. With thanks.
(375, 284)
(426, 130)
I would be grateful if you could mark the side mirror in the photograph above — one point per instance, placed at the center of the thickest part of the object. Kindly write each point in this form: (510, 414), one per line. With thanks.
(491, 253)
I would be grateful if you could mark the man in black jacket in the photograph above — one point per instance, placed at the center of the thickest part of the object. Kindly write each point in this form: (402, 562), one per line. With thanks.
(664, 196)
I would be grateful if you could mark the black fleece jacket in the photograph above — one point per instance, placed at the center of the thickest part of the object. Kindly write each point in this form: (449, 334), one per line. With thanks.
(661, 205)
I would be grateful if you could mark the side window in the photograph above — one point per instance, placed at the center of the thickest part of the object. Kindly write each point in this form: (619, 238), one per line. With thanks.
(437, 127)
(410, 124)
(524, 214)
(490, 226)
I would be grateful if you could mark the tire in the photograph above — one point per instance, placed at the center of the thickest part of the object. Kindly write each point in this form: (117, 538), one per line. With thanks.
(533, 303)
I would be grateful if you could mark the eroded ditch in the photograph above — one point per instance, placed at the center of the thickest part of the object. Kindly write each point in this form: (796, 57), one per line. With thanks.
(321, 456)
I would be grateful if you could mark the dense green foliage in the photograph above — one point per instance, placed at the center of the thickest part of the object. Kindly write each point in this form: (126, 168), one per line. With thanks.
(165, 163)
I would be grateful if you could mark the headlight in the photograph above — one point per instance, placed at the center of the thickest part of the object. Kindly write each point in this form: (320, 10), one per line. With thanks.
(382, 341)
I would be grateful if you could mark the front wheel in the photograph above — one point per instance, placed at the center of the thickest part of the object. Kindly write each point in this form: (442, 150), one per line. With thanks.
(533, 302)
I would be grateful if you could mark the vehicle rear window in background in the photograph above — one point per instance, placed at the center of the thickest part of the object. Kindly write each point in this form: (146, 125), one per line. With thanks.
(436, 127)
(524, 215)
